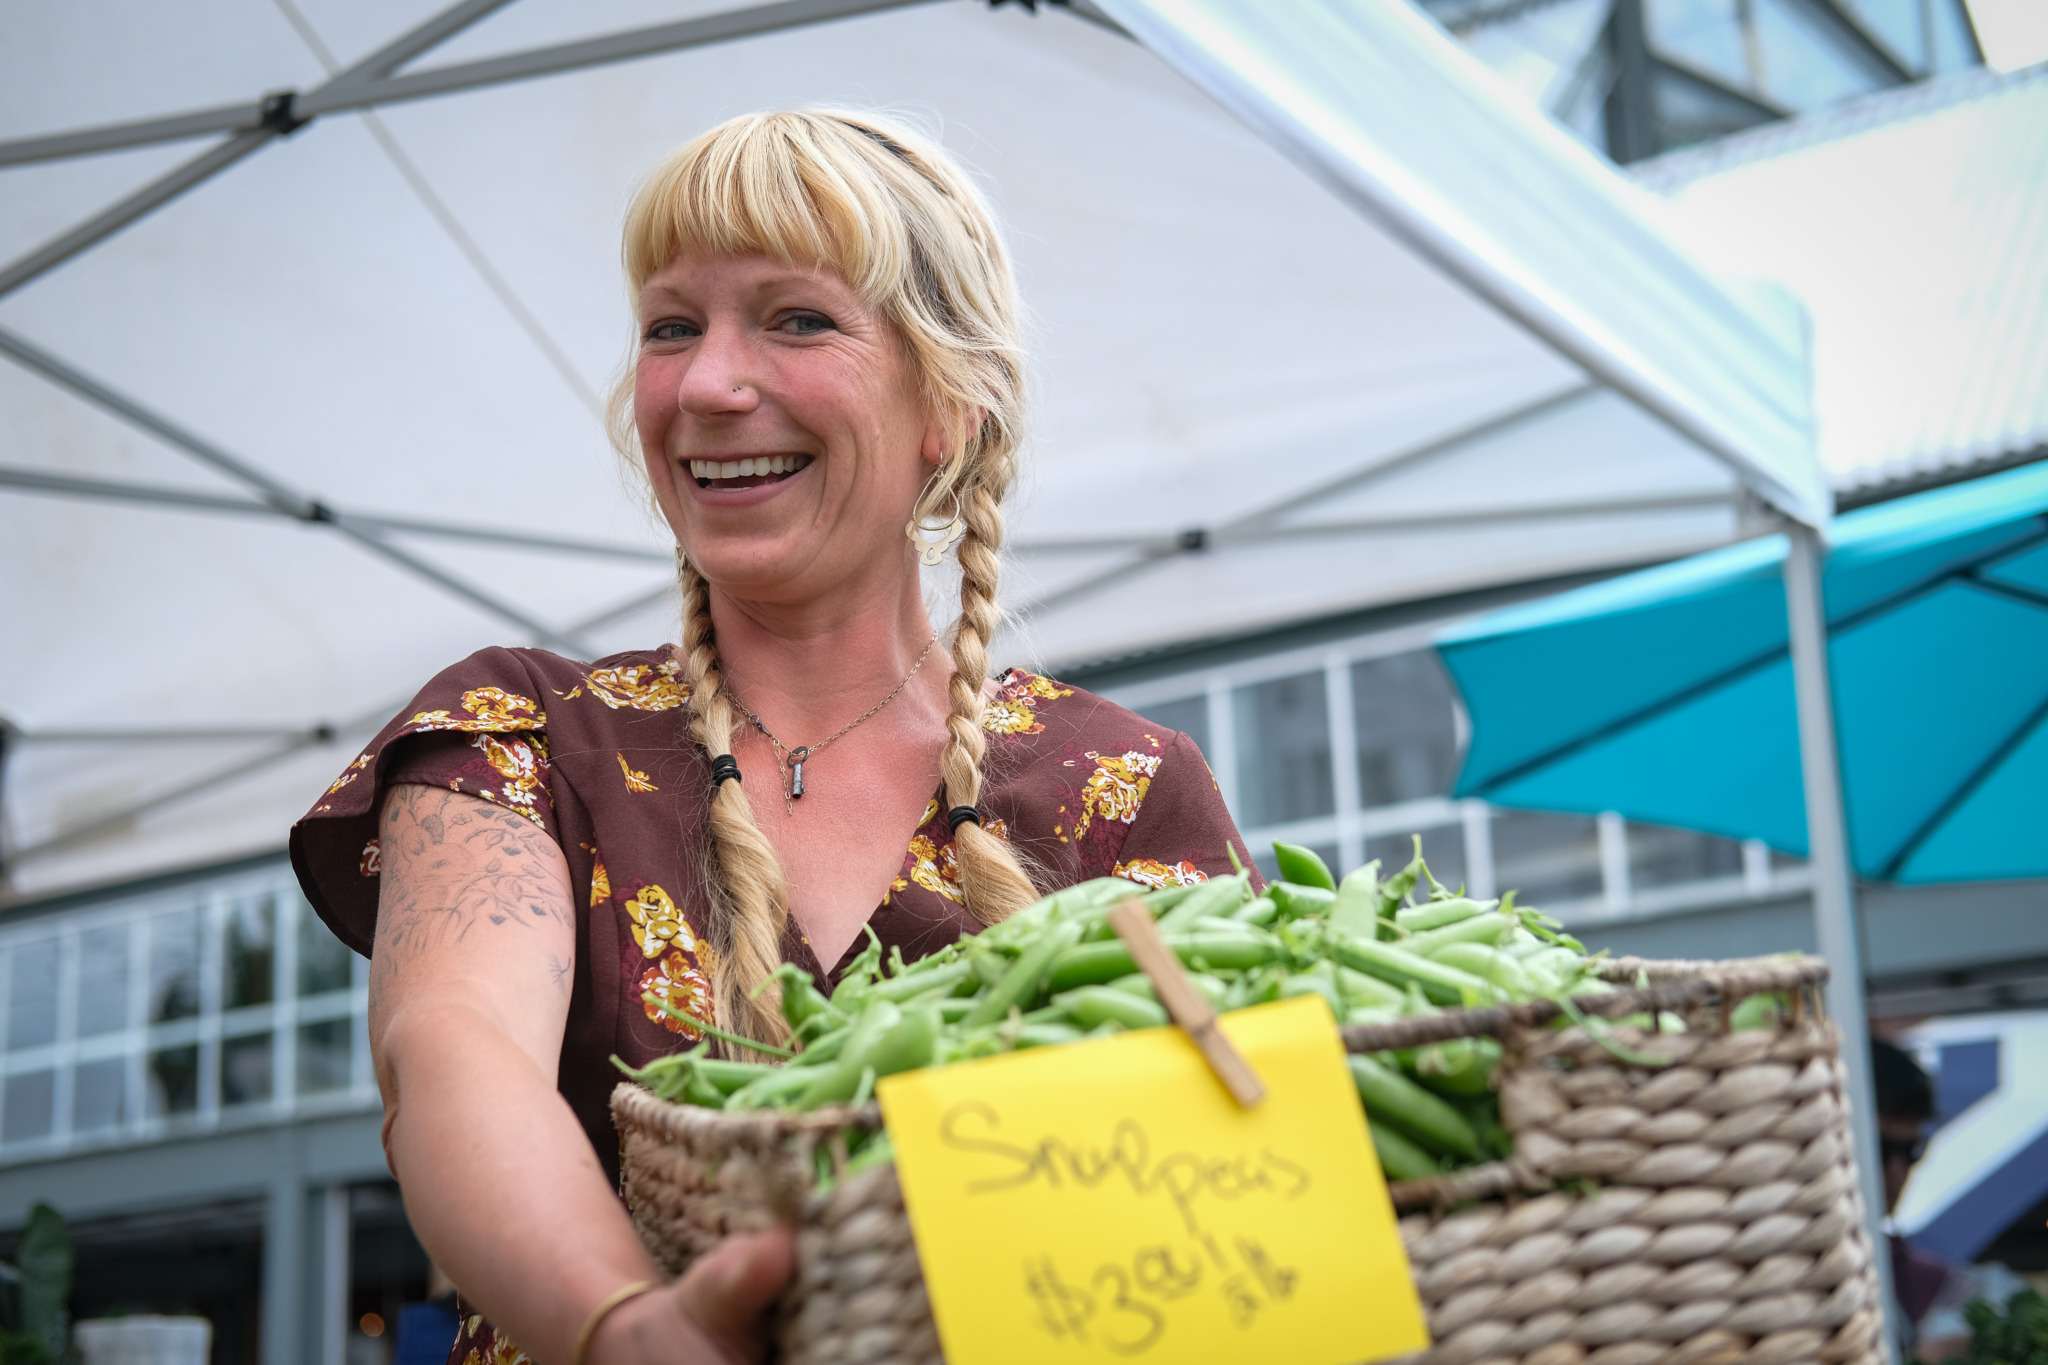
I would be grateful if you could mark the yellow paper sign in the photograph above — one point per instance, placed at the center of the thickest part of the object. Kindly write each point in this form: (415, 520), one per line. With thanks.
(1109, 1201)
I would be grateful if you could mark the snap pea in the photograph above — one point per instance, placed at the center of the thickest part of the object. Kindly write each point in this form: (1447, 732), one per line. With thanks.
(1300, 902)
(1436, 914)
(1445, 985)
(1461, 1066)
(1219, 943)
(1393, 1098)
(1209, 900)
(1399, 1158)
(1048, 1034)
(915, 983)
(1018, 984)
(1359, 989)
(1260, 911)
(1357, 907)
(1302, 867)
(1490, 963)
(1488, 929)
(1094, 1006)
(1309, 983)
(1213, 989)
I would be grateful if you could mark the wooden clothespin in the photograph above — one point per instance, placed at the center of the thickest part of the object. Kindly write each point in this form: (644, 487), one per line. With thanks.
(1187, 1006)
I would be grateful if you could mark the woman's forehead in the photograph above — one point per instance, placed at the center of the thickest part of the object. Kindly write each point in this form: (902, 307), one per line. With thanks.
(748, 273)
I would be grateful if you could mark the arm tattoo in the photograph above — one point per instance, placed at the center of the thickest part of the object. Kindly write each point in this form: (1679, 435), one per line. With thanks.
(462, 865)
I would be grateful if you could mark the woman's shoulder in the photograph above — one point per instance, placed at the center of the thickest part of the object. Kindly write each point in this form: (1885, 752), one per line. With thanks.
(506, 689)
(1058, 719)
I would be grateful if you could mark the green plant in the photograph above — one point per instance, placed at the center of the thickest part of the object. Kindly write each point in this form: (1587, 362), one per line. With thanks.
(2018, 1336)
(37, 1330)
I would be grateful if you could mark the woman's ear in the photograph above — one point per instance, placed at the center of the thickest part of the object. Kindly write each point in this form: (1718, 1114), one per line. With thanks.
(942, 439)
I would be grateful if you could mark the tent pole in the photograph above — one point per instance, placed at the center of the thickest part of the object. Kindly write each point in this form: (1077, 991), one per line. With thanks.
(1834, 909)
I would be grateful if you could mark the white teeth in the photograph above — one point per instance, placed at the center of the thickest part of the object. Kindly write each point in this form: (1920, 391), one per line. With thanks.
(747, 468)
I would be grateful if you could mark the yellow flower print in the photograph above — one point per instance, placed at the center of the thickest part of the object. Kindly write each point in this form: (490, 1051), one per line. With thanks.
(1152, 872)
(934, 868)
(518, 763)
(600, 883)
(1011, 712)
(635, 782)
(490, 708)
(674, 982)
(638, 687)
(659, 924)
(1116, 789)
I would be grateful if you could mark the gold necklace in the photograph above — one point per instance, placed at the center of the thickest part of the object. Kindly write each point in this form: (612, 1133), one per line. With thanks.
(790, 762)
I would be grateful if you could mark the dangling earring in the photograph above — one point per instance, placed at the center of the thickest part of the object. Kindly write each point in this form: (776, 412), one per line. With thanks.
(930, 552)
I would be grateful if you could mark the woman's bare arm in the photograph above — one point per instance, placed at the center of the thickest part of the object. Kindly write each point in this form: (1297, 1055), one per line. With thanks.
(469, 997)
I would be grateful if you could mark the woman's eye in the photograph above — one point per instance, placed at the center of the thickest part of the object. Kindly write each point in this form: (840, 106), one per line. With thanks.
(671, 330)
(806, 324)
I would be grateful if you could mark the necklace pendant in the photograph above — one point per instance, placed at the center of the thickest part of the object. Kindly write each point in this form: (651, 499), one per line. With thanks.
(796, 771)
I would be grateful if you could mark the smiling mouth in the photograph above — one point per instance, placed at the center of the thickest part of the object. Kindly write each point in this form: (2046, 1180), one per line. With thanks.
(748, 473)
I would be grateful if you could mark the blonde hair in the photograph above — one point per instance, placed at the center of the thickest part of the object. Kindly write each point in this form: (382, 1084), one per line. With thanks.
(909, 232)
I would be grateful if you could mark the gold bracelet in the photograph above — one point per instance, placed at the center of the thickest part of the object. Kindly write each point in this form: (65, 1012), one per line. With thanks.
(604, 1309)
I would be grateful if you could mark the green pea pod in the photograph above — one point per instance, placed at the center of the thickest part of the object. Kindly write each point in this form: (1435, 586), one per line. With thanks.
(1094, 1006)
(1488, 929)
(1436, 914)
(1401, 1159)
(1491, 963)
(1461, 1067)
(1392, 1098)
(956, 1008)
(1371, 1014)
(1395, 889)
(1301, 902)
(1213, 989)
(1020, 983)
(909, 1045)
(1758, 1011)
(1357, 909)
(1049, 1034)
(1219, 943)
(988, 964)
(1161, 899)
(1390, 963)
(1302, 867)
(801, 999)
(1260, 911)
(776, 1088)
(838, 1079)
(1212, 899)
(859, 975)
(1358, 990)
(913, 984)
(825, 1046)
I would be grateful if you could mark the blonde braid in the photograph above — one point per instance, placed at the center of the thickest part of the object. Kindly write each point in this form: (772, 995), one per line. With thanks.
(992, 880)
(749, 899)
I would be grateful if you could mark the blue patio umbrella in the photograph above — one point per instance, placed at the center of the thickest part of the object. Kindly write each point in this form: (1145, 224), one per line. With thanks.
(1668, 695)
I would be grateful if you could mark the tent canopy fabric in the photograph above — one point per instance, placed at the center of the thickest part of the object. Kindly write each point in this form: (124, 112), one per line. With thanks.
(1989, 1163)
(290, 443)
(1667, 695)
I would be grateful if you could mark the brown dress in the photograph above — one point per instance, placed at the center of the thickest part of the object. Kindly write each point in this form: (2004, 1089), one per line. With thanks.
(599, 756)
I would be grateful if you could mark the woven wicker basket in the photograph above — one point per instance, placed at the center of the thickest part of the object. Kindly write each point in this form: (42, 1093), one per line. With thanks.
(1701, 1213)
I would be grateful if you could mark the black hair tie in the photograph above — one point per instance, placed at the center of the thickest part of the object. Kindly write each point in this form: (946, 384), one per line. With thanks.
(962, 815)
(725, 768)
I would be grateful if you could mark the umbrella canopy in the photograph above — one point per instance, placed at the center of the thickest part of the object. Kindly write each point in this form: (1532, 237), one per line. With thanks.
(1668, 695)
(288, 444)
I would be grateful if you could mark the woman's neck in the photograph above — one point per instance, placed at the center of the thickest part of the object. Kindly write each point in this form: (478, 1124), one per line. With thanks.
(817, 667)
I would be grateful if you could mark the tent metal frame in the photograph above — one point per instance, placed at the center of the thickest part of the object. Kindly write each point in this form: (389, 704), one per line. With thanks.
(375, 81)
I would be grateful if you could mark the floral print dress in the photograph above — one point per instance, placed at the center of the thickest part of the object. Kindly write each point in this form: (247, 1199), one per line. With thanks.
(599, 757)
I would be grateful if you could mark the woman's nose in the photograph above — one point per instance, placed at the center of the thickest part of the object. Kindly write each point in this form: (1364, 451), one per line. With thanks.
(719, 380)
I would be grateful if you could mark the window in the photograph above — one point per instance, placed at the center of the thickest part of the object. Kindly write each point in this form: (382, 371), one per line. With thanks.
(1546, 858)
(1659, 855)
(1283, 750)
(1406, 725)
(218, 1005)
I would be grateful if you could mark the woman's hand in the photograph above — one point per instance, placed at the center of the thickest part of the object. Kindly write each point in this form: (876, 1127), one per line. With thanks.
(712, 1316)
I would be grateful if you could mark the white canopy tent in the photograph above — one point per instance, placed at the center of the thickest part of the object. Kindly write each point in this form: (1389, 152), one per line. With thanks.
(1323, 319)
(285, 445)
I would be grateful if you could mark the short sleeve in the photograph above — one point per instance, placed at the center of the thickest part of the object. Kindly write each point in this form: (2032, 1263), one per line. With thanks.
(476, 728)
(1182, 831)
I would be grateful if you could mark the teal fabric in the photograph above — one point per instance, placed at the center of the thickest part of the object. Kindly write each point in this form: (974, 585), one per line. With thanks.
(1667, 695)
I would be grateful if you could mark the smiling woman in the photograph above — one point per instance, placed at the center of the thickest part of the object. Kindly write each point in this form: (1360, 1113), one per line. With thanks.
(555, 864)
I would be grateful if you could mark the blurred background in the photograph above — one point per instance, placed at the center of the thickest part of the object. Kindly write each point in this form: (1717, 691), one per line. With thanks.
(289, 429)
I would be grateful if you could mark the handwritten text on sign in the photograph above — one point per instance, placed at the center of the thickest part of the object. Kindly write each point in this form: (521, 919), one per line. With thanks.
(1109, 1201)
